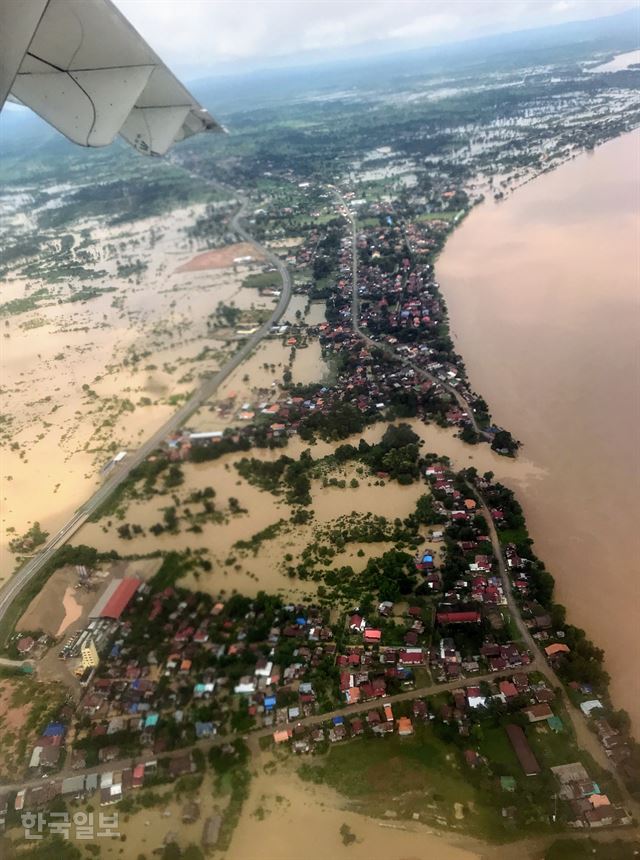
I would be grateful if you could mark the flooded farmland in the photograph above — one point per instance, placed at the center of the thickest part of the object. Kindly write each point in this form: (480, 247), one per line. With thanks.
(544, 299)
(293, 813)
(262, 568)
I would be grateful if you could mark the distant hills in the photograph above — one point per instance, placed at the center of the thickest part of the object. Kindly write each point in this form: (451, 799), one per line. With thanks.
(225, 93)
(575, 40)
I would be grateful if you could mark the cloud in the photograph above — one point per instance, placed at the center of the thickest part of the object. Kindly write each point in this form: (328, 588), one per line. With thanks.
(427, 26)
(196, 36)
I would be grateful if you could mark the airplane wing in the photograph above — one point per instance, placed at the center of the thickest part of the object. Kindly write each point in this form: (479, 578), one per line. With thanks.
(83, 68)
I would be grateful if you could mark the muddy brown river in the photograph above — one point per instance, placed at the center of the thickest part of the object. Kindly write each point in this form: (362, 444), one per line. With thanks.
(543, 292)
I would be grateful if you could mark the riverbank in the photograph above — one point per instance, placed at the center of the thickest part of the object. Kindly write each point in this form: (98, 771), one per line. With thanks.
(542, 293)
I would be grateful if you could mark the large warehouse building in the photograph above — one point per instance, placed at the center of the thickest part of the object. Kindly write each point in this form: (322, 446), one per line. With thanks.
(115, 598)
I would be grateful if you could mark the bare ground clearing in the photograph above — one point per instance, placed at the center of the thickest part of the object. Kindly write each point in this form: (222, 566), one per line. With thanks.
(220, 258)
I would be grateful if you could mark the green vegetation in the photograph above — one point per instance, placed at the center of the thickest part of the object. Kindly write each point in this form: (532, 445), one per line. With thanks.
(419, 775)
(270, 475)
(262, 280)
(27, 303)
(122, 200)
(255, 542)
(503, 442)
(227, 315)
(347, 835)
(581, 848)
(233, 778)
(175, 566)
(426, 775)
(84, 294)
(130, 270)
(343, 421)
(145, 474)
(30, 540)
(439, 216)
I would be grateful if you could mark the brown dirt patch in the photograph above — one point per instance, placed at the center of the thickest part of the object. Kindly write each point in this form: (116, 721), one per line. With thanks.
(72, 610)
(12, 717)
(54, 610)
(402, 774)
(220, 258)
(47, 610)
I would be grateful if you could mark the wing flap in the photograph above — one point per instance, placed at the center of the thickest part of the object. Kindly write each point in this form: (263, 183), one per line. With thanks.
(152, 130)
(88, 73)
(87, 107)
(18, 23)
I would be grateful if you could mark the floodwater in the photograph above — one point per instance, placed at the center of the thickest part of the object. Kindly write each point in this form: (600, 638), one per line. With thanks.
(66, 371)
(544, 298)
(282, 814)
(251, 572)
(622, 61)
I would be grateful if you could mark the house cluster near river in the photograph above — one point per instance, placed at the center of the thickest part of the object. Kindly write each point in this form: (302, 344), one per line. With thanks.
(400, 309)
(183, 668)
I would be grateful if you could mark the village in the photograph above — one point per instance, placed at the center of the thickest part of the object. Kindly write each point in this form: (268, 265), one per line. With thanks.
(166, 673)
(401, 311)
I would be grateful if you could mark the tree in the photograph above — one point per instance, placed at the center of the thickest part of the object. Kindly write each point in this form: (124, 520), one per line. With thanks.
(558, 616)
(504, 441)
(192, 852)
(469, 435)
(621, 721)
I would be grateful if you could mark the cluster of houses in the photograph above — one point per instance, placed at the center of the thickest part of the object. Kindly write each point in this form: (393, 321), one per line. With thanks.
(367, 669)
(447, 663)
(108, 787)
(391, 304)
(377, 721)
(589, 807)
(527, 700)
(371, 386)
(401, 309)
(140, 687)
(49, 747)
(478, 591)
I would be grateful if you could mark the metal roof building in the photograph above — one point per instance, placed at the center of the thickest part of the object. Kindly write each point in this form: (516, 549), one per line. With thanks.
(521, 747)
(115, 598)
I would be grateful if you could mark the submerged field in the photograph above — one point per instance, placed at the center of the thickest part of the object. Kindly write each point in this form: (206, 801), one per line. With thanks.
(86, 378)
(246, 533)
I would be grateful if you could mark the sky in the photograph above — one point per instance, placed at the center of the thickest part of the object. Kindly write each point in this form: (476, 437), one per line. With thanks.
(195, 37)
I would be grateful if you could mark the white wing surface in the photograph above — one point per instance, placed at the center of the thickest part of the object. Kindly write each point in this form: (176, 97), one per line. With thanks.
(82, 67)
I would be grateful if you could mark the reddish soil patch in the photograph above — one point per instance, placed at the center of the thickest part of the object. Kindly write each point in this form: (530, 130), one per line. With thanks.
(220, 258)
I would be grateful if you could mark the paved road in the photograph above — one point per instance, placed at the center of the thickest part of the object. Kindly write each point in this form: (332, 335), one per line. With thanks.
(586, 739)
(355, 316)
(10, 590)
(314, 720)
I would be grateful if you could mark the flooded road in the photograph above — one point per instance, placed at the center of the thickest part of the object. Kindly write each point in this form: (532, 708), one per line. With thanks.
(544, 299)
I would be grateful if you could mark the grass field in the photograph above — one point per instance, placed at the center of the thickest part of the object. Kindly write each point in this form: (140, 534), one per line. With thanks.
(426, 776)
(438, 216)
(262, 280)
